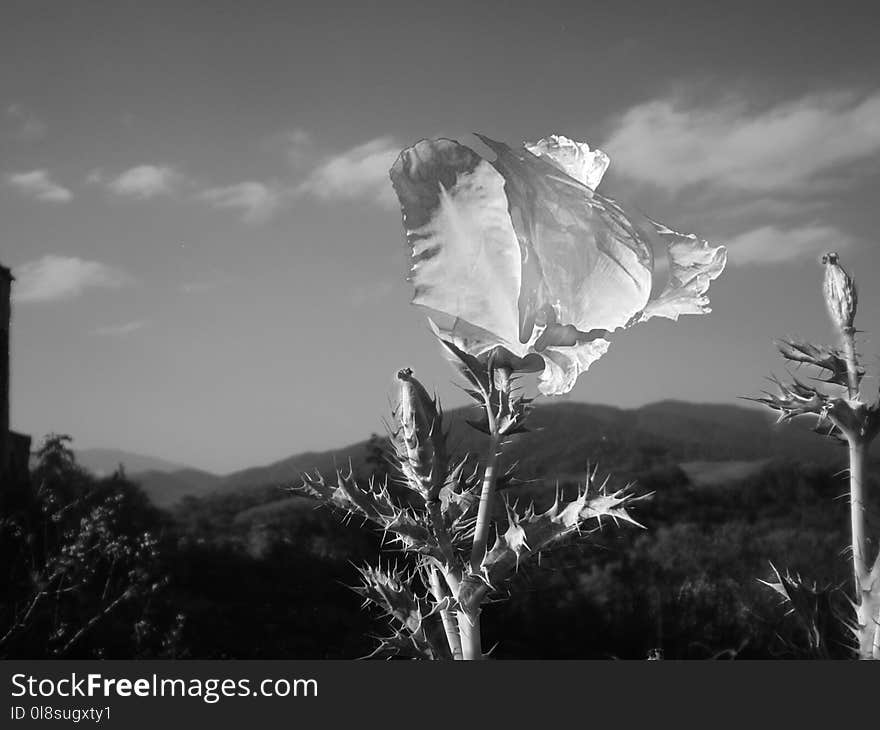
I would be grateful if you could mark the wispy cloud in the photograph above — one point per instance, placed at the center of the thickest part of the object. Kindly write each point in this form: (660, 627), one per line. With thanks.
(360, 173)
(257, 201)
(759, 175)
(772, 245)
(53, 278)
(120, 330)
(207, 283)
(299, 146)
(28, 126)
(38, 184)
(144, 181)
(731, 145)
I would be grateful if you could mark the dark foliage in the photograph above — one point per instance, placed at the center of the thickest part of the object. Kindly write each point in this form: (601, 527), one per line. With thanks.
(82, 569)
(259, 574)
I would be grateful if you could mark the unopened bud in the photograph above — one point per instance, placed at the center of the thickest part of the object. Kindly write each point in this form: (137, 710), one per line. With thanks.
(420, 441)
(840, 293)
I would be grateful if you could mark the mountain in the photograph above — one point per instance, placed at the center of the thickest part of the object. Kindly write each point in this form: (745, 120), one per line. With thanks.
(165, 488)
(709, 440)
(103, 462)
(289, 469)
(165, 482)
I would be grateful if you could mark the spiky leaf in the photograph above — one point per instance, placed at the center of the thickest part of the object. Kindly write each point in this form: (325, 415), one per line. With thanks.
(373, 503)
(812, 605)
(529, 533)
(828, 359)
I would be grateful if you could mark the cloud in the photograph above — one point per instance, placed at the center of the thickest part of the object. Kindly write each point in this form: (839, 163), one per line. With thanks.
(360, 173)
(256, 200)
(53, 278)
(299, 146)
(29, 127)
(788, 146)
(143, 182)
(120, 330)
(207, 283)
(39, 185)
(764, 208)
(773, 245)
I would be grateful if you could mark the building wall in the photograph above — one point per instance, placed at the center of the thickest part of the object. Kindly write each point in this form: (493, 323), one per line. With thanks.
(19, 455)
(5, 316)
(14, 447)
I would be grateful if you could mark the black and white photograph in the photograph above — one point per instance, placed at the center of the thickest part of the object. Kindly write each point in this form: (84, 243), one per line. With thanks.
(484, 331)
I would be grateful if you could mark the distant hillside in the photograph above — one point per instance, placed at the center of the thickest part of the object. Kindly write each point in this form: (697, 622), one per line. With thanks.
(564, 438)
(166, 482)
(103, 462)
(286, 470)
(166, 488)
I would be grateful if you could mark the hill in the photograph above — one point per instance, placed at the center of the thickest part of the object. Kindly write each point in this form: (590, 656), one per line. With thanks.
(260, 573)
(103, 462)
(564, 438)
(166, 488)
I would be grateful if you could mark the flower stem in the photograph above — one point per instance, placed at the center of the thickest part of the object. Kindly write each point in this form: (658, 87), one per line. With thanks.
(484, 513)
(857, 509)
(852, 366)
(444, 542)
(867, 600)
(469, 629)
(469, 616)
(449, 624)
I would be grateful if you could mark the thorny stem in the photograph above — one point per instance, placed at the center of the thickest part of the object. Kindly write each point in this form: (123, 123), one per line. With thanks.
(449, 623)
(852, 366)
(469, 617)
(484, 513)
(867, 603)
(867, 598)
(469, 628)
(857, 509)
(435, 514)
(451, 574)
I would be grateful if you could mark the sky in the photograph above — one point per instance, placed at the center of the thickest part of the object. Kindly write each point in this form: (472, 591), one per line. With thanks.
(210, 261)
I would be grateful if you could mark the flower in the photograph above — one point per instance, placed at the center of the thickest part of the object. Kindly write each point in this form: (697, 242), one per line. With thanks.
(419, 441)
(520, 257)
(840, 293)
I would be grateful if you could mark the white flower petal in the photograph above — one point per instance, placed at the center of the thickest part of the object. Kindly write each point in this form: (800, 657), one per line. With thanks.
(465, 336)
(563, 365)
(693, 265)
(466, 258)
(575, 159)
(523, 261)
(482, 344)
(585, 262)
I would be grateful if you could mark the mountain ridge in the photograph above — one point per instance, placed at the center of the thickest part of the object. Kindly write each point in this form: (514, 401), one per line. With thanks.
(565, 437)
(105, 461)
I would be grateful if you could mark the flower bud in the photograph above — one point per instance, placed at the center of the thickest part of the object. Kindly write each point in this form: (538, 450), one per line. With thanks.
(420, 441)
(840, 293)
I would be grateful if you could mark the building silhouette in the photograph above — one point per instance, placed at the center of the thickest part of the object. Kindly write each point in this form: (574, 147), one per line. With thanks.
(14, 447)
